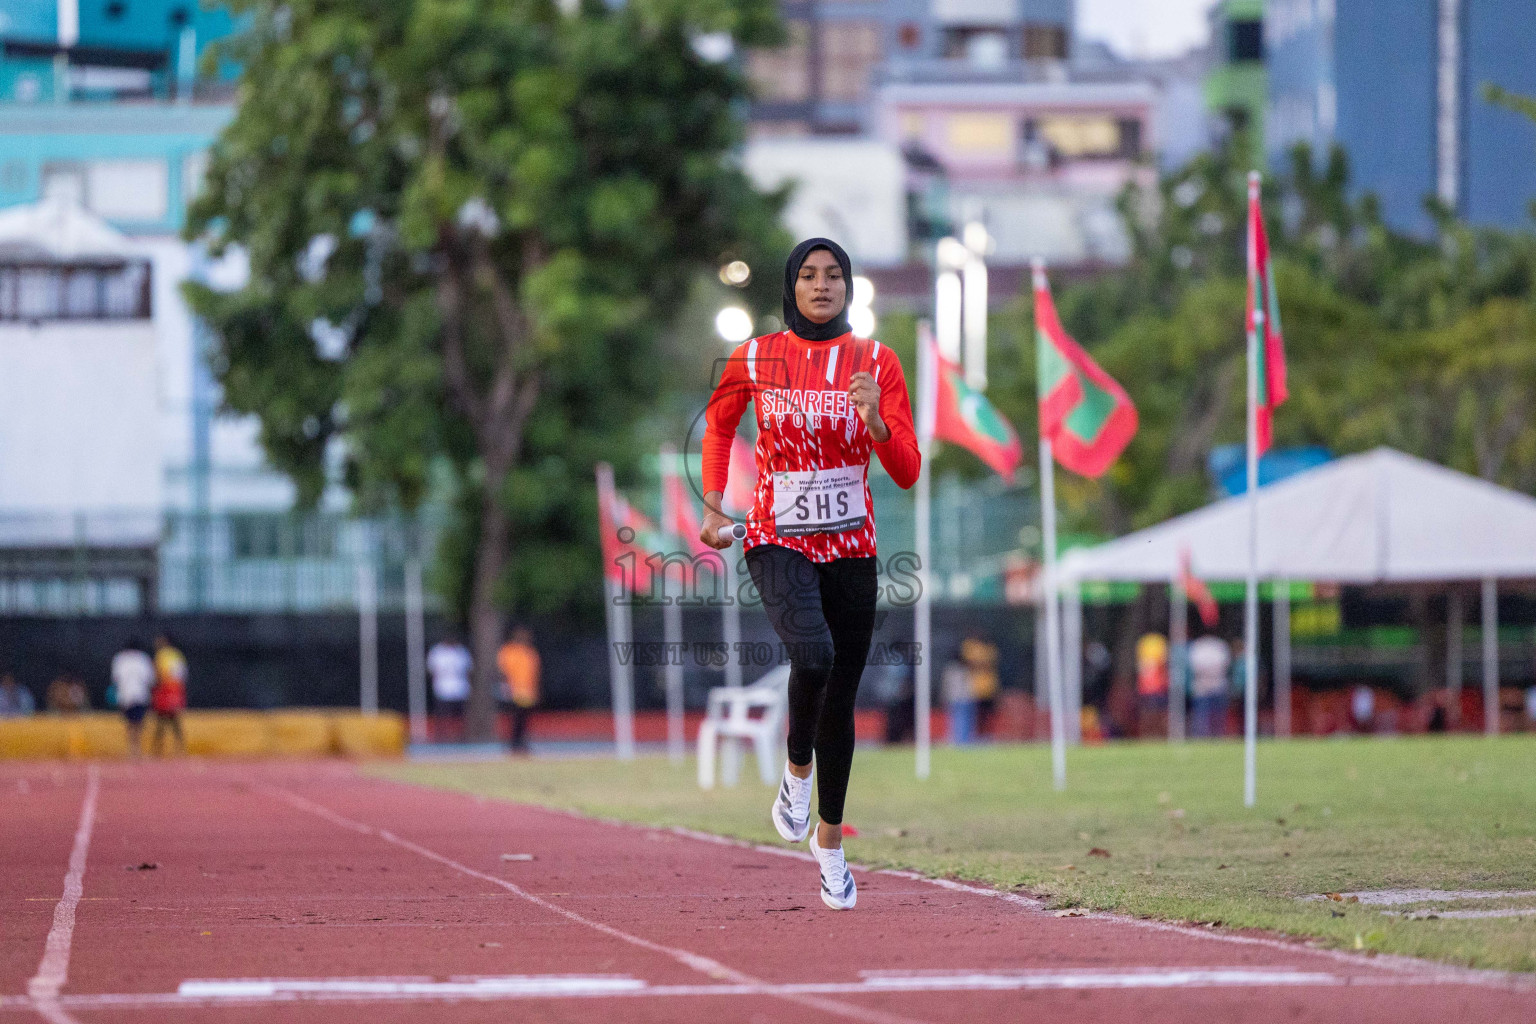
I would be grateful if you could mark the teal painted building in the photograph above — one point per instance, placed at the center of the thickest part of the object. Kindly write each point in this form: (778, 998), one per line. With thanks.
(102, 100)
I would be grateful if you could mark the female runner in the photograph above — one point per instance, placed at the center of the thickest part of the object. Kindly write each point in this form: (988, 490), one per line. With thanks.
(825, 399)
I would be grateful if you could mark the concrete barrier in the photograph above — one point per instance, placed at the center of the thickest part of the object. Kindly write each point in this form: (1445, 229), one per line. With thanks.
(290, 733)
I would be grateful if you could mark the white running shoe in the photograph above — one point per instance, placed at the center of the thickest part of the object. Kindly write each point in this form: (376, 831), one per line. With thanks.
(837, 888)
(792, 807)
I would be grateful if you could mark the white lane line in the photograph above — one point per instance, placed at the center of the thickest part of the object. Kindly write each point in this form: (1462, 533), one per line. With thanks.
(510, 987)
(259, 991)
(1424, 970)
(53, 971)
(703, 964)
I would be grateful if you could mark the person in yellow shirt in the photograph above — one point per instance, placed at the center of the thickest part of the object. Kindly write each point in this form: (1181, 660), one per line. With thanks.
(169, 697)
(518, 660)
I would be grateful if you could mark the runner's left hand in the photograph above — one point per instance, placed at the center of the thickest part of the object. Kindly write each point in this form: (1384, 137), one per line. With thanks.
(864, 393)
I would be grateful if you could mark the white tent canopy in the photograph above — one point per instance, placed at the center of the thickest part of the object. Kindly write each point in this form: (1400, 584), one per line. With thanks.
(58, 230)
(1378, 517)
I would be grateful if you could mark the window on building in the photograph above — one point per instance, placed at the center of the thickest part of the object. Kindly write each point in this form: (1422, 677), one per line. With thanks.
(783, 75)
(1049, 139)
(1245, 40)
(1130, 138)
(47, 292)
(129, 190)
(985, 48)
(1045, 42)
(850, 50)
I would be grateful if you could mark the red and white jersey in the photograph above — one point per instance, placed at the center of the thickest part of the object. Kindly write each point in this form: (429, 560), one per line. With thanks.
(812, 448)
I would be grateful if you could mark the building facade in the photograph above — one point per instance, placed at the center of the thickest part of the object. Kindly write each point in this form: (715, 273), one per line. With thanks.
(1400, 86)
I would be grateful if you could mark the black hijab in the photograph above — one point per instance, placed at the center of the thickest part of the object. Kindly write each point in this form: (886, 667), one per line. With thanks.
(797, 321)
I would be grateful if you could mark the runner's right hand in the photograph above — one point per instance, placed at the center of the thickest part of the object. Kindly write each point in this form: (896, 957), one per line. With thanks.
(716, 531)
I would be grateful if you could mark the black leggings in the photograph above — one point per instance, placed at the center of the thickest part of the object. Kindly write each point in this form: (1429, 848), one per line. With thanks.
(824, 614)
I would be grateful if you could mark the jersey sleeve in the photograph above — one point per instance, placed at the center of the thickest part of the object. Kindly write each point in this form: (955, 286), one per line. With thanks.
(721, 418)
(898, 454)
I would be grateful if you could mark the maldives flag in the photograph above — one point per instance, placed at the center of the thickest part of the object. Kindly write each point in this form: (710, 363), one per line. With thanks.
(684, 521)
(627, 537)
(741, 483)
(1262, 299)
(963, 416)
(1084, 413)
(1195, 590)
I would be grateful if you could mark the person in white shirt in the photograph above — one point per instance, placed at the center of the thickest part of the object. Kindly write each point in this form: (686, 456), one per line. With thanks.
(449, 663)
(133, 676)
(1209, 660)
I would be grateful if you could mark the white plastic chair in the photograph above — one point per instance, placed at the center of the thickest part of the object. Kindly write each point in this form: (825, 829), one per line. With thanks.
(730, 718)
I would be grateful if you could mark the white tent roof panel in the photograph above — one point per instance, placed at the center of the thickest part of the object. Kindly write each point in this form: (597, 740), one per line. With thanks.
(1377, 517)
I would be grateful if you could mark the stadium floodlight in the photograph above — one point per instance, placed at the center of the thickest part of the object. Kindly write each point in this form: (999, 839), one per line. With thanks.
(951, 253)
(863, 292)
(861, 319)
(736, 273)
(734, 324)
(861, 313)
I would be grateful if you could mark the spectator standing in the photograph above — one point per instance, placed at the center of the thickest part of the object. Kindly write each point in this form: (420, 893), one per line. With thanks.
(169, 697)
(1209, 661)
(1151, 683)
(16, 701)
(955, 687)
(66, 695)
(449, 663)
(1362, 708)
(518, 660)
(133, 677)
(979, 656)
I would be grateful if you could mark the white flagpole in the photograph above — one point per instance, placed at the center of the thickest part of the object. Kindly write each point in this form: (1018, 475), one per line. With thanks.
(922, 625)
(1251, 603)
(620, 678)
(415, 651)
(671, 622)
(368, 635)
(1053, 666)
(1052, 615)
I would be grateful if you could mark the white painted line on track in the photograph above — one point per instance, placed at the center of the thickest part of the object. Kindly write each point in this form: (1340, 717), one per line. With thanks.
(1421, 970)
(53, 971)
(703, 964)
(261, 991)
(511, 986)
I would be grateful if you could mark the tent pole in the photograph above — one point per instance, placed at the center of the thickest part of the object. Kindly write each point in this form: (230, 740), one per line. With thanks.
(1281, 596)
(1052, 615)
(1491, 656)
(1072, 660)
(1453, 659)
(1178, 656)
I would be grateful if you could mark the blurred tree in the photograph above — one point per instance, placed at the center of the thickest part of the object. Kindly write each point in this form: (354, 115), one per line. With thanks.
(467, 221)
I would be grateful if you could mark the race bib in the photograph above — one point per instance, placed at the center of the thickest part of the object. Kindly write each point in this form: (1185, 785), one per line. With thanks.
(818, 501)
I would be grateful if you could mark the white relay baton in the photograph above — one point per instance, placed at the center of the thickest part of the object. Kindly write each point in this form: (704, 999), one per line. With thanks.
(728, 535)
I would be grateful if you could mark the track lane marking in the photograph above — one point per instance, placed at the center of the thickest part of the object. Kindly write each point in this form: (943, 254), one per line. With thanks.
(703, 964)
(262, 991)
(43, 989)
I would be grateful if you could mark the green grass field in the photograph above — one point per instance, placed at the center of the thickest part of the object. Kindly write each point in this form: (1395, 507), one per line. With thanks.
(1441, 813)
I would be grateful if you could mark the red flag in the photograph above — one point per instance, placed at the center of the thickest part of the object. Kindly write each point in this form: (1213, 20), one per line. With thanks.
(741, 483)
(1084, 412)
(963, 416)
(1262, 298)
(1195, 590)
(685, 521)
(627, 537)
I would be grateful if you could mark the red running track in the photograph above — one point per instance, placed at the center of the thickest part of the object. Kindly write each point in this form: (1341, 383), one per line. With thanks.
(306, 892)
